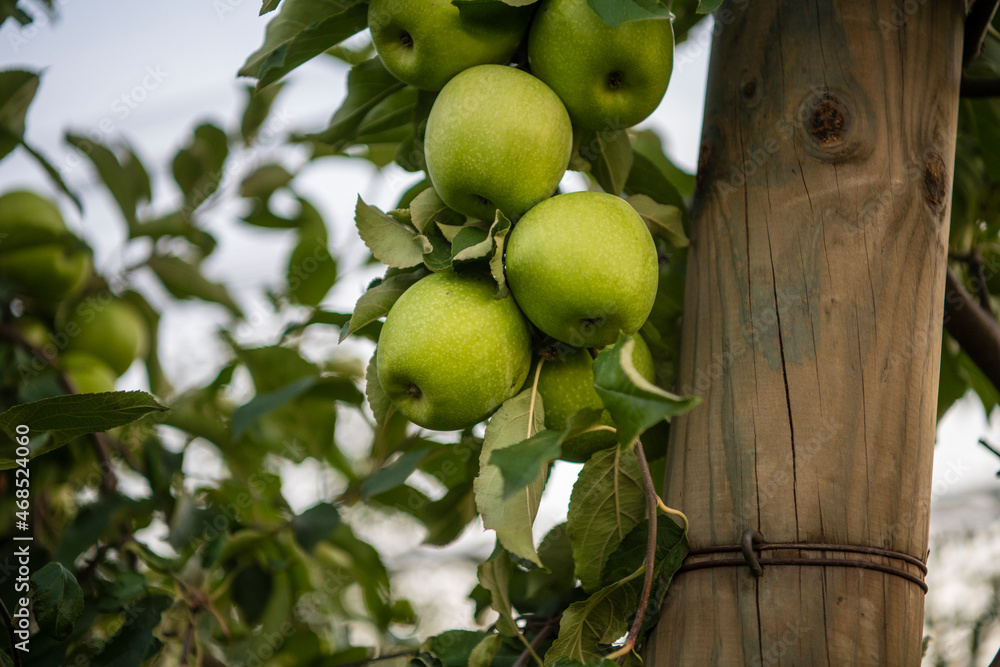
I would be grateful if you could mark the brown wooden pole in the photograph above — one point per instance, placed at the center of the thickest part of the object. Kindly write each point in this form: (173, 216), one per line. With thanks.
(812, 330)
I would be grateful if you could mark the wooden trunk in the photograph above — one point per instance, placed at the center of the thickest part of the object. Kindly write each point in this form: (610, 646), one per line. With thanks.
(812, 329)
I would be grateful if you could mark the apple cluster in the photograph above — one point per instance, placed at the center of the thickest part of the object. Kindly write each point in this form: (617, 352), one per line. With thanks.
(47, 270)
(581, 267)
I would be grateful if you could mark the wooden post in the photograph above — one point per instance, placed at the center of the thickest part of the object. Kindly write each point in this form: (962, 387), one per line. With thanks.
(812, 330)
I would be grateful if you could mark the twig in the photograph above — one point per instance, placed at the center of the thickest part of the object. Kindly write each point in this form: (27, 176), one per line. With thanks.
(979, 87)
(977, 24)
(550, 625)
(976, 331)
(974, 259)
(992, 449)
(652, 500)
(188, 640)
(534, 395)
(9, 622)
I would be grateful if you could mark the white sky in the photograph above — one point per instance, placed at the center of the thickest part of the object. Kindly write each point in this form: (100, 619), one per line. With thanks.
(175, 63)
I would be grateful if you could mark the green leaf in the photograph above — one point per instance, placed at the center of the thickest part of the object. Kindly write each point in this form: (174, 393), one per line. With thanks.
(58, 600)
(598, 620)
(646, 178)
(485, 651)
(708, 6)
(378, 400)
(609, 153)
(198, 168)
(648, 144)
(454, 647)
(257, 110)
(52, 172)
(316, 524)
(394, 474)
(471, 244)
(17, 90)
(616, 12)
(608, 501)
(379, 299)
(437, 250)
(427, 209)
(302, 30)
(184, 280)
(391, 242)
(522, 463)
(67, 417)
(125, 179)
(494, 576)
(131, 644)
(312, 270)
(634, 402)
(513, 517)
(367, 85)
(671, 548)
(499, 230)
(664, 221)
(540, 590)
(264, 181)
(262, 404)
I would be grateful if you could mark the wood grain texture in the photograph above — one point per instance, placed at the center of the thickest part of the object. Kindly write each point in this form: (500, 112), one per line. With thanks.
(813, 326)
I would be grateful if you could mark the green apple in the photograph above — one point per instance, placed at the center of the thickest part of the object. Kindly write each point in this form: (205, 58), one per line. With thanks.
(583, 267)
(608, 78)
(87, 374)
(37, 259)
(33, 330)
(111, 330)
(425, 42)
(496, 137)
(450, 353)
(567, 386)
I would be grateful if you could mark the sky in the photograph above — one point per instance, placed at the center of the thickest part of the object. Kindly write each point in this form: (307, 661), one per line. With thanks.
(149, 72)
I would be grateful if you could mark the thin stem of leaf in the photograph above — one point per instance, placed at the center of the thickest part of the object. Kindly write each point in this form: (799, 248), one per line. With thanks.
(598, 427)
(672, 512)
(15, 655)
(550, 625)
(534, 395)
(529, 648)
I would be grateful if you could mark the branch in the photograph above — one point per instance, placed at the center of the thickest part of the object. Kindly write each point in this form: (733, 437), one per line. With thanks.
(9, 622)
(652, 502)
(979, 87)
(974, 259)
(976, 331)
(977, 24)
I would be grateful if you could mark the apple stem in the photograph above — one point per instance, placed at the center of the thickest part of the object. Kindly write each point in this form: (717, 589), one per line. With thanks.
(534, 395)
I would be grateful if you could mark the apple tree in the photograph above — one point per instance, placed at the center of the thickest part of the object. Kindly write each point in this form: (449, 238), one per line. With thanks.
(754, 410)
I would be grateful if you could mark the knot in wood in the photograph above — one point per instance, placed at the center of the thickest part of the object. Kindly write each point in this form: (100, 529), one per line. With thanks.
(828, 121)
(935, 180)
